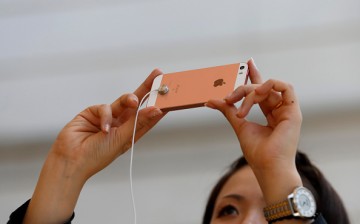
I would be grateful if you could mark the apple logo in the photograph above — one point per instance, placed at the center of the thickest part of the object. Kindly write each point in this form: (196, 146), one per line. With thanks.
(219, 82)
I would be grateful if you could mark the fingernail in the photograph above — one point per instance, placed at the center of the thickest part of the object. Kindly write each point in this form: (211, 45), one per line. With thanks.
(134, 99)
(156, 112)
(107, 128)
(253, 62)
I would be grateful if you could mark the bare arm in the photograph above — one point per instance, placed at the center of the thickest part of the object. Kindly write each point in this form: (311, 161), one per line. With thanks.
(85, 146)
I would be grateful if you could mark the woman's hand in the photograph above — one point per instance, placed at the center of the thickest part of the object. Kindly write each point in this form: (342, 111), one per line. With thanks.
(101, 133)
(86, 145)
(269, 149)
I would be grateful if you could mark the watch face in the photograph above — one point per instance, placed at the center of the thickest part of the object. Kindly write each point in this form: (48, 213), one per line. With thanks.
(304, 202)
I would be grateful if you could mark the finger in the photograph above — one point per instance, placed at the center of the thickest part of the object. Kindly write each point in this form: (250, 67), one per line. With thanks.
(147, 118)
(229, 111)
(270, 102)
(256, 78)
(287, 106)
(267, 100)
(132, 100)
(124, 102)
(239, 93)
(248, 102)
(286, 90)
(105, 115)
(268, 95)
(99, 116)
(254, 73)
(274, 96)
(145, 87)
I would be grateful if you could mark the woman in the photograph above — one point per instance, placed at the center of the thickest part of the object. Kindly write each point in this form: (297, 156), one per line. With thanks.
(218, 209)
(101, 133)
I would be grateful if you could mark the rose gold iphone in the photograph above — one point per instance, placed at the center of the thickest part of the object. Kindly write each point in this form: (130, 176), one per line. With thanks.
(193, 88)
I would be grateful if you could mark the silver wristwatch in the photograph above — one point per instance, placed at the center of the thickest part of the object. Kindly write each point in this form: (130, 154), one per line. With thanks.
(299, 204)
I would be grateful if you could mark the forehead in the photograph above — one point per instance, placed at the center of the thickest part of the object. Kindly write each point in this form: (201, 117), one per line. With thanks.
(244, 183)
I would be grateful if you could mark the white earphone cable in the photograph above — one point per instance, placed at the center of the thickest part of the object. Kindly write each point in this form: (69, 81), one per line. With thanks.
(132, 154)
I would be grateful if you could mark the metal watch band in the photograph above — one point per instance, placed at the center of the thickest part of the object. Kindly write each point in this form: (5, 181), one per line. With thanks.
(277, 211)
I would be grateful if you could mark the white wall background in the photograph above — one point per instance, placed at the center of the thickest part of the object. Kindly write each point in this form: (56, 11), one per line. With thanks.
(58, 57)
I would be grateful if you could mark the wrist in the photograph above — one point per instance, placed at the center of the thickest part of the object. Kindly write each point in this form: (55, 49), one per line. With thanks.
(64, 169)
(71, 159)
(56, 192)
(277, 184)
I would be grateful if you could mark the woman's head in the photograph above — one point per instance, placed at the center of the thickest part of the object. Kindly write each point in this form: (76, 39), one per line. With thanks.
(237, 196)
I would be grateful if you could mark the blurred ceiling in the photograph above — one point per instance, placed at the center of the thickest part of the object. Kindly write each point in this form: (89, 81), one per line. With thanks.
(58, 57)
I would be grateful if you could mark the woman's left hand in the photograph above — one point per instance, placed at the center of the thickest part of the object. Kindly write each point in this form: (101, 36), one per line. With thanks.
(270, 149)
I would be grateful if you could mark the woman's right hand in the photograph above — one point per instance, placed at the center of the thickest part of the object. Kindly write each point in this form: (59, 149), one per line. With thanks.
(86, 145)
(101, 133)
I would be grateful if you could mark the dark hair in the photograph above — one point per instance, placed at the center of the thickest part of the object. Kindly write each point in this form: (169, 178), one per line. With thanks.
(328, 201)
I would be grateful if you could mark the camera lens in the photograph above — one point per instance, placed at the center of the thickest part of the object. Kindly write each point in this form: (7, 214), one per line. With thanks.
(242, 67)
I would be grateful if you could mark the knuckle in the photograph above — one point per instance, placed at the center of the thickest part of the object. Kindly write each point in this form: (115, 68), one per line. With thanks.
(249, 89)
(141, 124)
(123, 99)
(103, 106)
(272, 81)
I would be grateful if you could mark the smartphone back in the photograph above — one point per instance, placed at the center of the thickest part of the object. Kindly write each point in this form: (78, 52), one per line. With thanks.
(193, 88)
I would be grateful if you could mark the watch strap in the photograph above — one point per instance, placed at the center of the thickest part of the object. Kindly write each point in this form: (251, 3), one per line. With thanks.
(278, 211)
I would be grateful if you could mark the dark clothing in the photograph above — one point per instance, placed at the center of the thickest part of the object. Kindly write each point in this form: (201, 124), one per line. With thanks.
(18, 215)
(319, 220)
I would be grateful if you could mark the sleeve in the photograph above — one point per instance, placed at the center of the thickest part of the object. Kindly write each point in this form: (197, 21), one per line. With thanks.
(17, 216)
(319, 219)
